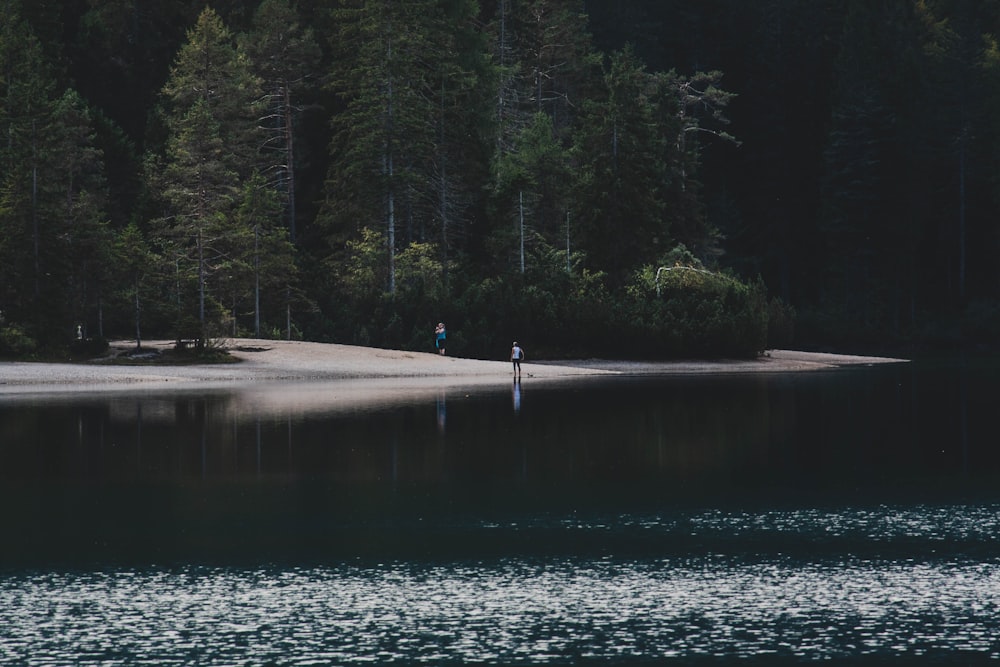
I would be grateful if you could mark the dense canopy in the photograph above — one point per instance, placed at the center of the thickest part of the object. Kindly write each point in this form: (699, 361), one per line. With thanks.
(642, 177)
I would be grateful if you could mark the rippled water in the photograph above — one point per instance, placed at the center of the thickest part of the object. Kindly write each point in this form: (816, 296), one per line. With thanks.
(899, 582)
(884, 582)
(847, 517)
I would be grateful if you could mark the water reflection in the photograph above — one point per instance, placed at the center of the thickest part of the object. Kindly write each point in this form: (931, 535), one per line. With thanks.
(442, 411)
(779, 432)
(825, 516)
(569, 433)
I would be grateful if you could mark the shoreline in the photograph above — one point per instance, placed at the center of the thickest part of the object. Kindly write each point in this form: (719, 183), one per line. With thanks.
(260, 360)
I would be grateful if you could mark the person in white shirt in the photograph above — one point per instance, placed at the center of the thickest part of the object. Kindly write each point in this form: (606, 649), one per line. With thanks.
(516, 355)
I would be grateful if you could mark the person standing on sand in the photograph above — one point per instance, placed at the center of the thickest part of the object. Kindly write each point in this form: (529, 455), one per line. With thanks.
(516, 355)
(439, 337)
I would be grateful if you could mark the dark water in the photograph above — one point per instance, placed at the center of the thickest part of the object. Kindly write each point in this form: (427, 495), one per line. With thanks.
(851, 516)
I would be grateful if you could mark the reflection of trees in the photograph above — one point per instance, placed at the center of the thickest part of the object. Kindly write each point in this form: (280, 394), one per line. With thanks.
(664, 434)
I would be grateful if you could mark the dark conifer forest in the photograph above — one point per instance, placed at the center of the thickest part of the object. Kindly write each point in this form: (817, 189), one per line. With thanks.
(638, 178)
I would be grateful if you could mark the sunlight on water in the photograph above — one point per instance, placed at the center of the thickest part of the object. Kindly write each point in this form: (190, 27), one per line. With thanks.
(850, 518)
(537, 610)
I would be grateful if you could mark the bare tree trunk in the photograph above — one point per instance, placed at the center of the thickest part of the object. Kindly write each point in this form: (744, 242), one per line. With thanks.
(201, 287)
(138, 333)
(569, 267)
(389, 171)
(256, 287)
(391, 225)
(35, 232)
(290, 159)
(520, 198)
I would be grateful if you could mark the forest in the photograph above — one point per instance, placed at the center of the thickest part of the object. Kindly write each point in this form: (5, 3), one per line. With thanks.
(639, 178)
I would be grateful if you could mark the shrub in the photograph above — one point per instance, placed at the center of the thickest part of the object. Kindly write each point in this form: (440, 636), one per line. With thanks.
(14, 342)
(685, 311)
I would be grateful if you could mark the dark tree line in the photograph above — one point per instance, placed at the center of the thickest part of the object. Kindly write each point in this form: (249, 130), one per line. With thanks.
(864, 190)
(646, 177)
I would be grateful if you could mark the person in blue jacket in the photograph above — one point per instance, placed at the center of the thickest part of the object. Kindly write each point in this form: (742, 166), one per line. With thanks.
(439, 337)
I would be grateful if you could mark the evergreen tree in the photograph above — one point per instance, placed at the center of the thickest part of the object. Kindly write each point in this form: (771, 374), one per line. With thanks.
(137, 265)
(284, 54)
(557, 62)
(210, 70)
(26, 97)
(268, 257)
(622, 170)
(543, 56)
(387, 76)
(535, 176)
(210, 104)
(545, 64)
(78, 238)
(459, 84)
(688, 110)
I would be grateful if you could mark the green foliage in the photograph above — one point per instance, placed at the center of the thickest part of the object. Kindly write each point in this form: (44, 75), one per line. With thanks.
(284, 55)
(15, 342)
(419, 274)
(137, 271)
(865, 189)
(210, 99)
(683, 311)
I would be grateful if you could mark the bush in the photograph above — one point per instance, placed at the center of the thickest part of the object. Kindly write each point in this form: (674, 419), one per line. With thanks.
(684, 311)
(14, 342)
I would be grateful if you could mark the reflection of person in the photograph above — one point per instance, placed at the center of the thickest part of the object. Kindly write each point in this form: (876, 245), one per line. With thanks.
(516, 355)
(439, 337)
(442, 411)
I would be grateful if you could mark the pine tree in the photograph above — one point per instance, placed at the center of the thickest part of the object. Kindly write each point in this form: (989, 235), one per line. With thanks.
(211, 70)
(78, 235)
(690, 109)
(535, 176)
(285, 55)
(268, 256)
(383, 147)
(459, 80)
(137, 265)
(210, 105)
(26, 96)
(621, 158)
(543, 56)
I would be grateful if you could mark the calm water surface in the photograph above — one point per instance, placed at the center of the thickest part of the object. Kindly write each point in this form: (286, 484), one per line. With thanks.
(851, 515)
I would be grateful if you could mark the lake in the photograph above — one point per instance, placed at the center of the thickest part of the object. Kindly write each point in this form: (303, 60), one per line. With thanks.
(849, 515)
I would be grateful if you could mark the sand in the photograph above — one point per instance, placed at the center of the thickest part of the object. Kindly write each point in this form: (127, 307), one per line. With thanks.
(269, 361)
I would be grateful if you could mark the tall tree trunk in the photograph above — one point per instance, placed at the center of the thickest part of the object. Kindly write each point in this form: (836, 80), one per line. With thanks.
(290, 158)
(138, 310)
(389, 169)
(256, 286)
(35, 231)
(569, 266)
(520, 207)
(201, 287)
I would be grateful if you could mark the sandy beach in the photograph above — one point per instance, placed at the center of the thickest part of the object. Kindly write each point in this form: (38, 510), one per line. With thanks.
(261, 361)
